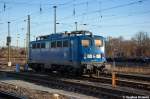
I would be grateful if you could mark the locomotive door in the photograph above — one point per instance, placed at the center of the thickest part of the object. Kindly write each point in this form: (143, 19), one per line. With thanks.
(71, 50)
(73, 57)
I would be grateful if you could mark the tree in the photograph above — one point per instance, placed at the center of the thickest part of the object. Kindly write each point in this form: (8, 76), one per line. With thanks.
(138, 46)
(142, 41)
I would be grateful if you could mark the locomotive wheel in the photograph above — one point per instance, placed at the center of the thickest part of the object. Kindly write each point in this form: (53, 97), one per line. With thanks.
(73, 71)
(78, 72)
(33, 66)
(42, 67)
(38, 67)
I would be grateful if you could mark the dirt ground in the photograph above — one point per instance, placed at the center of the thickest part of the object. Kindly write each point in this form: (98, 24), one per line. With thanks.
(35, 91)
(129, 69)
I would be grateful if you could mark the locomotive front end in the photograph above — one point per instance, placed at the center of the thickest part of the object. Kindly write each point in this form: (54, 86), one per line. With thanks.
(93, 54)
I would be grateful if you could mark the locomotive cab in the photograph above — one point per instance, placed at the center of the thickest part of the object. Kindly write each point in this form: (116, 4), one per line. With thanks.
(92, 53)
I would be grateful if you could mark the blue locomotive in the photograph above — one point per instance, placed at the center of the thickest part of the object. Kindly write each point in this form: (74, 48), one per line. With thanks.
(73, 52)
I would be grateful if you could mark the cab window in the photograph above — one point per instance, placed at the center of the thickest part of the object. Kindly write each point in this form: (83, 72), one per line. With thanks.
(38, 45)
(34, 46)
(47, 45)
(98, 43)
(59, 43)
(43, 45)
(53, 44)
(85, 43)
(65, 43)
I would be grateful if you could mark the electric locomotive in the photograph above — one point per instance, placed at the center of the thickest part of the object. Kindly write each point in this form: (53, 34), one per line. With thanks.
(74, 52)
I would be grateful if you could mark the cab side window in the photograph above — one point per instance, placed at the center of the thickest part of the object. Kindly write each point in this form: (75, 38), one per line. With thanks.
(53, 44)
(38, 45)
(34, 46)
(59, 43)
(43, 45)
(65, 43)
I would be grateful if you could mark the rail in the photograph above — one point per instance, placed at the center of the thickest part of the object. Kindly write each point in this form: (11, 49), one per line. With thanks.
(7, 95)
(80, 86)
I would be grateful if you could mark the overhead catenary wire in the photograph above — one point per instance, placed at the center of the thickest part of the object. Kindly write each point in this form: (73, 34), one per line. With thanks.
(77, 14)
(35, 4)
(102, 9)
(4, 6)
(96, 11)
(107, 9)
(100, 13)
(109, 16)
(40, 8)
(27, 3)
(116, 17)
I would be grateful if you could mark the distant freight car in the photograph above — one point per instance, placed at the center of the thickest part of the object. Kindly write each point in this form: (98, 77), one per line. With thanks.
(76, 52)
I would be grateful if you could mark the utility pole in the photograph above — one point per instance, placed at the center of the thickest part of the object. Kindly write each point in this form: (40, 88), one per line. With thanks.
(8, 44)
(25, 49)
(76, 25)
(28, 39)
(54, 18)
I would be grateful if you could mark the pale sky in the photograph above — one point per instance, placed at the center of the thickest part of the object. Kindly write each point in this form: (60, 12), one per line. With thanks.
(103, 17)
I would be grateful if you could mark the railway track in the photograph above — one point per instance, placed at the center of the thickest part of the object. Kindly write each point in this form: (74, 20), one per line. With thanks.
(7, 91)
(137, 77)
(96, 89)
(120, 81)
(6, 95)
(143, 85)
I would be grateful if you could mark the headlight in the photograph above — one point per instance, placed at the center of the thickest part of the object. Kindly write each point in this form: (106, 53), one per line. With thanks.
(89, 55)
(98, 55)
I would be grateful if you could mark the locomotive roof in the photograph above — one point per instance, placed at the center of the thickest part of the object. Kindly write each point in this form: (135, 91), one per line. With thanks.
(65, 34)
